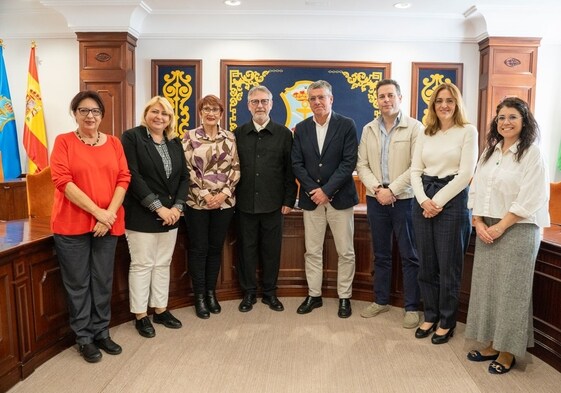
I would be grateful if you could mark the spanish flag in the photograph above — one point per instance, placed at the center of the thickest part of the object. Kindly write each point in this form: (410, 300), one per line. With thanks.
(34, 132)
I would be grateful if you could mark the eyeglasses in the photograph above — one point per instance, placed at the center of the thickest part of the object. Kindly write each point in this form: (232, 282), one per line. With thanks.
(208, 110)
(448, 101)
(511, 118)
(263, 101)
(96, 112)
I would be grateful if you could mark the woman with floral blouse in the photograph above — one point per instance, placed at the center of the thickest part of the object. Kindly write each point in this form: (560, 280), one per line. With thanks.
(214, 170)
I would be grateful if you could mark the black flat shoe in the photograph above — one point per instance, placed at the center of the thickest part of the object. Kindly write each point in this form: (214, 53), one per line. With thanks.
(144, 327)
(167, 320)
(498, 368)
(476, 356)
(422, 333)
(438, 339)
(90, 352)
(247, 303)
(309, 304)
(273, 302)
(109, 346)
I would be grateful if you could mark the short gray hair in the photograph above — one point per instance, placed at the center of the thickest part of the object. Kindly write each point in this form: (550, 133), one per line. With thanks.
(320, 84)
(260, 88)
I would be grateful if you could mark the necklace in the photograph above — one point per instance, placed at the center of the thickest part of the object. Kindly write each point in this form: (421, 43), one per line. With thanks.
(86, 143)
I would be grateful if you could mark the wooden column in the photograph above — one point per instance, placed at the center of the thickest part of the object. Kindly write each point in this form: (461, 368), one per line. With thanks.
(107, 66)
(507, 67)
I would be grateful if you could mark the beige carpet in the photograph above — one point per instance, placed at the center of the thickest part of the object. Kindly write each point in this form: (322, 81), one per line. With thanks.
(267, 351)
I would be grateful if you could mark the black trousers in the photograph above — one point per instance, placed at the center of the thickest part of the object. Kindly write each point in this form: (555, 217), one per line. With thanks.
(260, 238)
(207, 231)
(441, 243)
(86, 265)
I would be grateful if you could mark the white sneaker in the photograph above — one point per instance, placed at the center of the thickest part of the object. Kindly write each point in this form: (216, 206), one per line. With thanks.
(411, 319)
(374, 309)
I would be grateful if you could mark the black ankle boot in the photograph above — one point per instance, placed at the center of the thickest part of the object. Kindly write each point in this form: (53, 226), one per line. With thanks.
(212, 302)
(200, 307)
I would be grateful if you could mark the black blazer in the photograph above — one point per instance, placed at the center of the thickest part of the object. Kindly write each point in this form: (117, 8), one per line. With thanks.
(148, 180)
(332, 168)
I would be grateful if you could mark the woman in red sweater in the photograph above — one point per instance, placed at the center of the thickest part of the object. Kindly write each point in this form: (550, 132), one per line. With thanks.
(90, 173)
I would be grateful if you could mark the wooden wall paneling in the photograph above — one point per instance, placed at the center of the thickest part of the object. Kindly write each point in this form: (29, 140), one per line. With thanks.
(547, 314)
(507, 67)
(107, 66)
(292, 275)
(9, 352)
(47, 318)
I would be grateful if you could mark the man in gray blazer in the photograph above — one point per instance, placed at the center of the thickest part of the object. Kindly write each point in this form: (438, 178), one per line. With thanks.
(324, 156)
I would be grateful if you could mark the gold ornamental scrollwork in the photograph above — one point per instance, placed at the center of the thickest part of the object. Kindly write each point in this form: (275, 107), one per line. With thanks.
(178, 89)
(429, 84)
(366, 83)
(238, 83)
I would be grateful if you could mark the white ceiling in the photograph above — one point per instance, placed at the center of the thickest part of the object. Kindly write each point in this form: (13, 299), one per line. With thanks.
(457, 7)
(440, 20)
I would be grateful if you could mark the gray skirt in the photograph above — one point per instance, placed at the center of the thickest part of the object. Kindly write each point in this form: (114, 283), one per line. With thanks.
(500, 304)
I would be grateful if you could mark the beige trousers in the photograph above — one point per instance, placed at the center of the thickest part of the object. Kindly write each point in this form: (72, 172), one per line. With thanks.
(341, 223)
(149, 269)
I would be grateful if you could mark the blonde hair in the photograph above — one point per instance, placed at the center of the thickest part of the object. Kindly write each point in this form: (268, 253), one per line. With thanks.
(169, 131)
(460, 118)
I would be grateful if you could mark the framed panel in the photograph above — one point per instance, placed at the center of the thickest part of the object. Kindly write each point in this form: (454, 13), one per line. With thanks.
(354, 88)
(425, 78)
(180, 82)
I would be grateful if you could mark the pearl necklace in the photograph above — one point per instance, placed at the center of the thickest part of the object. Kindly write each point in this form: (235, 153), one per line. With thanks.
(86, 143)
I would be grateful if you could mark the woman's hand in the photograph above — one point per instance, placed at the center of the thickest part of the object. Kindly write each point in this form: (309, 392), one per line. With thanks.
(100, 229)
(105, 217)
(487, 234)
(430, 208)
(168, 216)
(215, 201)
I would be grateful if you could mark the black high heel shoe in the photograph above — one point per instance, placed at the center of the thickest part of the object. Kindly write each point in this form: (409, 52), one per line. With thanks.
(422, 333)
(438, 339)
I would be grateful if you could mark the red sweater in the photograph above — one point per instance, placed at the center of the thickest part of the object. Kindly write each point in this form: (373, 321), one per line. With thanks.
(97, 171)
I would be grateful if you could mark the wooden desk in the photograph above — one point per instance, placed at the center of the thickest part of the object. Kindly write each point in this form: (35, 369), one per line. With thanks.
(34, 321)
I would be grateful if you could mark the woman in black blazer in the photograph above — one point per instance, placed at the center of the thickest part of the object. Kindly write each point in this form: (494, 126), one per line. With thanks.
(153, 205)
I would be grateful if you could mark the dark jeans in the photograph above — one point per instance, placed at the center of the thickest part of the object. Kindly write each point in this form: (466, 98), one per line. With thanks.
(207, 231)
(86, 265)
(260, 240)
(386, 220)
(442, 242)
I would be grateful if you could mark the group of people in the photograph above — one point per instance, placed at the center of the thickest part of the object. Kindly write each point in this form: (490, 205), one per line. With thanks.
(417, 181)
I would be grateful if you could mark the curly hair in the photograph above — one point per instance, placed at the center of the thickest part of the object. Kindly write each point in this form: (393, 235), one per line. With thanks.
(528, 135)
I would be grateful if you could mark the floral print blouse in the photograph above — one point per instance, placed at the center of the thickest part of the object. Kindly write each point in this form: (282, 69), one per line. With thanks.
(213, 165)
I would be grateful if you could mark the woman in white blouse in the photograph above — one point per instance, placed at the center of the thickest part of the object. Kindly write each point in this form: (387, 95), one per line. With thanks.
(509, 197)
(443, 163)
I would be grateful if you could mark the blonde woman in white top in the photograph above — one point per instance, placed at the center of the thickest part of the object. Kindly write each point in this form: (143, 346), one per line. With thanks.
(509, 196)
(443, 163)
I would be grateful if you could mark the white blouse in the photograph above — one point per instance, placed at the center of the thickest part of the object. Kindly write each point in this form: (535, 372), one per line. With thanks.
(502, 185)
(452, 152)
